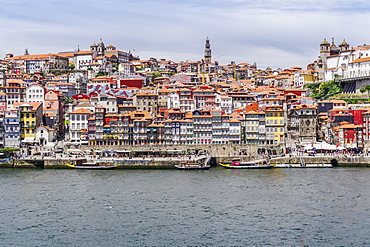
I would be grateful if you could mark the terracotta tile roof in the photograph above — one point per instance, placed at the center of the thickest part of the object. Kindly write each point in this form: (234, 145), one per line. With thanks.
(81, 111)
(361, 60)
(34, 105)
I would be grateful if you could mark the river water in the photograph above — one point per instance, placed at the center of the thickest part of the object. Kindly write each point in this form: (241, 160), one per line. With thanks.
(219, 207)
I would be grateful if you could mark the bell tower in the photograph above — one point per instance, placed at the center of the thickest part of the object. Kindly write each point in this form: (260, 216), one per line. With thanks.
(101, 48)
(207, 52)
(344, 46)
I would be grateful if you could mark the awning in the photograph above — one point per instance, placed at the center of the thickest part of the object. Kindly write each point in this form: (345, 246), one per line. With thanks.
(28, 139)
(323, 146)
(123, 151)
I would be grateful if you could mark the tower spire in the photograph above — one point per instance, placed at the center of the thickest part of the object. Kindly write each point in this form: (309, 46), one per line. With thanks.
(207, 52)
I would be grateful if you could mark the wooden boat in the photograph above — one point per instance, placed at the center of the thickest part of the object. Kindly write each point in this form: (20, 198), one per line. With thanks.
(256, 164)
(192, 166)
(91, 165)
(304, 166)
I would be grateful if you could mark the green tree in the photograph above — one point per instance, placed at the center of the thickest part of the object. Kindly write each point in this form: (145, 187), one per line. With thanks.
(367, 88)
(362, 90)
(155, 75)
(68, 100)
(71, 66)
(101, 73)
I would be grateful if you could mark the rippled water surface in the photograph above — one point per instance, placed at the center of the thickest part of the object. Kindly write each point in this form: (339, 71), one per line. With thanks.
(219, 207)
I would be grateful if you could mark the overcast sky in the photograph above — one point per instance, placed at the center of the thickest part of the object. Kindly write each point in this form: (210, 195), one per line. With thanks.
(274, 33)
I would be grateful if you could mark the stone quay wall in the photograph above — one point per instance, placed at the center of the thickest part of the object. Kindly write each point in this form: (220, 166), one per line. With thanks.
(363, 161)
(214, 149)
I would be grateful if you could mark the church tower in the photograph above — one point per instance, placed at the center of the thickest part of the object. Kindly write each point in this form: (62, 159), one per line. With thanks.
(93, 47)
(324, 48)
(207, 52)
(101, 48)
(344, 46)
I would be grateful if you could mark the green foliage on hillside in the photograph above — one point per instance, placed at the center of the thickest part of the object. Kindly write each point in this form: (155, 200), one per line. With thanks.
(325, 90)
(155, 75)
(101, 73)
(68, 99)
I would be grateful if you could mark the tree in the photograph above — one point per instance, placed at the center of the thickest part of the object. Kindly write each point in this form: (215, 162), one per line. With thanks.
(155, 75)
(101, 73)
(68, 100)
(71, 66)
(362, 90)
(325, 90)
(367, 88)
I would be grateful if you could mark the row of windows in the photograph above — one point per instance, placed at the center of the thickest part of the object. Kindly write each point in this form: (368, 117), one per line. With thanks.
(274, 114)
(275, 121)
(14, 96)
(27, 115)
(33, 96)
(30, 123)
(11, 136)
(78, 117)
(36, 91)
(14, 90)
(273, 130)
(78, 126)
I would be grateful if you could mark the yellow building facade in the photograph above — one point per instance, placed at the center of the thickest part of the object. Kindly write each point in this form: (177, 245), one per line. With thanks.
(275, 124)
(30, 119)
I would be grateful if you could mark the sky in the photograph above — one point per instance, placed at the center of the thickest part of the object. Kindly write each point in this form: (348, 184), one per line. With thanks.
(271, 33)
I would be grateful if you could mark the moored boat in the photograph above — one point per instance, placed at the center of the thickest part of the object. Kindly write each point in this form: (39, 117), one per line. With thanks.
(192, 166)
(304, 166)
(91, 165)
(256, 164)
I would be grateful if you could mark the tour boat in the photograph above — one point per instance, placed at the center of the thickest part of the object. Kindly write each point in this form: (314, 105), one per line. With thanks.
(92, 165)
(256, 164)
(192, 166)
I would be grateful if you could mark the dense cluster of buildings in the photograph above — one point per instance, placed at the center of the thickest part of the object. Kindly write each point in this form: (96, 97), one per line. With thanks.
(105, 96)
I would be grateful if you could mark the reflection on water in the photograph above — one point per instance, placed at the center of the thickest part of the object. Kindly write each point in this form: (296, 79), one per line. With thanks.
(279, 207)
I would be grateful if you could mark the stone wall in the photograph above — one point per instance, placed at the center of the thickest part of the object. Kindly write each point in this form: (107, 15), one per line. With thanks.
(168, 164)
(214, 149)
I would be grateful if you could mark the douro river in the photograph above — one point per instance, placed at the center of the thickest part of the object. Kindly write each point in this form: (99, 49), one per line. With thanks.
(218, 207)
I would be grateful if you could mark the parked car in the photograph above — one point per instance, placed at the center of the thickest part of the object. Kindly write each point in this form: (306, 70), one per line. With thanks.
(37, 153)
